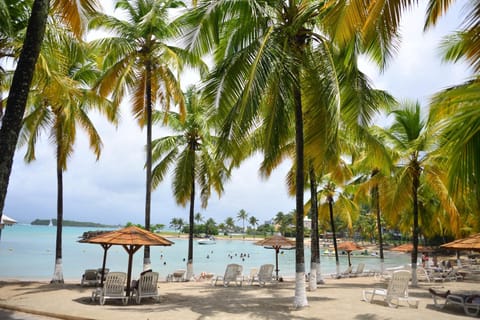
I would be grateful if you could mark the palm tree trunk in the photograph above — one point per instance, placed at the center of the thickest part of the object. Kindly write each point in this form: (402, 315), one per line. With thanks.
(332, 223)
(58, 272)
(376, 205)
(17, 98)
(416, 184)
(314, 247)
(300, 299)
(191, 220)
(148, 192)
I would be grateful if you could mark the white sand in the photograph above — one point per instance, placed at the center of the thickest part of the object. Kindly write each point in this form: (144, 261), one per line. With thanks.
(339, 299)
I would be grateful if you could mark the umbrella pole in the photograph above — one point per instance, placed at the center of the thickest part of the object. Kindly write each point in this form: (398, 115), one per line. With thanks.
(105, 249)
(129, 272)
(349, 262)
(131, 250)
(276, 261)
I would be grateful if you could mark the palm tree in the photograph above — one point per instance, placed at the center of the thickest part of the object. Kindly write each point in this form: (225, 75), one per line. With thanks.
(417, 168)
(242, 215)
(210, 225)
(275, 67)
(177, 224)
(191, 151)
(139, 58)
(346, 208)
(253, 221)
(72, 13)
(198, 217)
(60, 100)
(230, 224)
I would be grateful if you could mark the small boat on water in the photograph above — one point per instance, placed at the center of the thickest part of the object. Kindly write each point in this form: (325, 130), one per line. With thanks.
(206, 241)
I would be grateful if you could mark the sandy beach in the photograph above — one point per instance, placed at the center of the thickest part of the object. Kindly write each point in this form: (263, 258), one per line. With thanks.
(339, 298)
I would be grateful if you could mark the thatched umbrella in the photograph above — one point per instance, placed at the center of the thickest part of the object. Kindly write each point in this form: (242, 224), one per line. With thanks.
(349, 246)
(470, 243)
(131, 239)
(408, 247)
(276, 242)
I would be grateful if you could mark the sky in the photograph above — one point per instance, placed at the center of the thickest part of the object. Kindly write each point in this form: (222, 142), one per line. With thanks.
(112, 189)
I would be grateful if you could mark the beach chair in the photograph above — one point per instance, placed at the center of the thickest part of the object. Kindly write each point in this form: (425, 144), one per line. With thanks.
(113, 288)
(470, 303)
(264, 275)
(177, 275)
(422, 274)
(397, 290)
(359, 271)
(146, 287)
(90, 277)
(233, 273)
(344, 274)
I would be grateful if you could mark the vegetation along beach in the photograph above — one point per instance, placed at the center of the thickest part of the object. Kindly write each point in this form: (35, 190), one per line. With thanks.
(218, 159)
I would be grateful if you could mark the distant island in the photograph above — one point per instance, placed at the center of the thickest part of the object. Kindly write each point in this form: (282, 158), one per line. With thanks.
(70, 223)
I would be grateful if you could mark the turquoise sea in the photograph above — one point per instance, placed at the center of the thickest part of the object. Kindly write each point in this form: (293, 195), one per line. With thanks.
(28, 252)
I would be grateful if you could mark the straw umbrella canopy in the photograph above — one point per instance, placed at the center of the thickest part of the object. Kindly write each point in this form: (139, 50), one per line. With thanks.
(408, 247)
(469, 243)
(276, 242)
(349, 246)
(131, 239)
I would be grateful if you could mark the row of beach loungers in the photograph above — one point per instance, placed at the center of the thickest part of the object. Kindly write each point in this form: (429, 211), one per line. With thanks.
(114, 283)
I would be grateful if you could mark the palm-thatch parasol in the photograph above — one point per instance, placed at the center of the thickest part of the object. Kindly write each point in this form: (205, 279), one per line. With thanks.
(349, 246)
(131, 239)
(470, 243)
(276, 242)
(408, 247)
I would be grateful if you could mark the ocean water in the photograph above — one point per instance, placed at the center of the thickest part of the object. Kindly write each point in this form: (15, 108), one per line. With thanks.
(28, 252)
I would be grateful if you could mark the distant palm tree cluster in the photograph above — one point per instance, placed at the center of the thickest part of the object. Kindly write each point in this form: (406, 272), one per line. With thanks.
(284, 82)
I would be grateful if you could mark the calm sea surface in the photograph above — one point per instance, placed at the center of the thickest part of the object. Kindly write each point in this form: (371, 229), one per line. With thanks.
(28, 252)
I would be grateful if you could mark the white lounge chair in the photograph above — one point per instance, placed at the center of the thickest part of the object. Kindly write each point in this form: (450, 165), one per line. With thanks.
(469, 303)
(113, 288)
(359, 271)
(147, 287)
(344, 274)
(264, 275)
(91, 277)
(422, 274)
(177, 275)
(397, 290)
(233, 273)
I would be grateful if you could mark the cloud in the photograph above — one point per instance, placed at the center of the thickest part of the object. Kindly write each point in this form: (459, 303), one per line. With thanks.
(112, 190)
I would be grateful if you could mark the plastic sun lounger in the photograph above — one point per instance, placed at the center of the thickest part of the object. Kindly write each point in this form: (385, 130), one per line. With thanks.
(469, 303)
(264, 275)
(233, 273)
(397, 290)
(113, 288)
(147, 287)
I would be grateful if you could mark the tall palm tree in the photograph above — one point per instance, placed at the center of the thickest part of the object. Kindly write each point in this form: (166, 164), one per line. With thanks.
(210, 226)
(230, 224)
(253, 221)
(73, 14)
(177, 224)
(139, 58)
(274, 58)
(198, 217)
(242, 215)
(191, 151)
(418, 169)
(60, 101)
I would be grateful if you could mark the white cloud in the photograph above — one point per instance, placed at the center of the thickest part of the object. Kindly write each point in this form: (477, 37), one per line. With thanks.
(112, 189)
